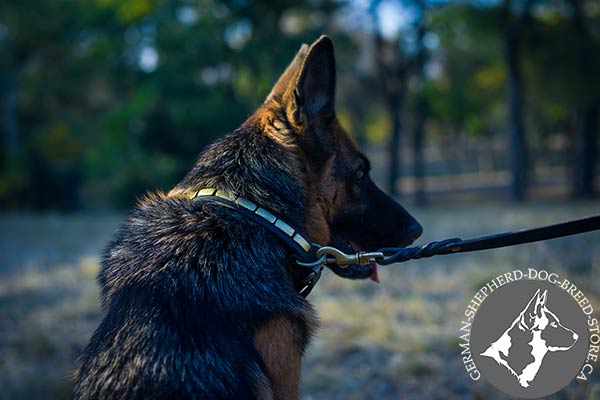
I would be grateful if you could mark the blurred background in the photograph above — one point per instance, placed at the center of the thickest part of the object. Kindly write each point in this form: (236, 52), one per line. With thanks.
(480, 116)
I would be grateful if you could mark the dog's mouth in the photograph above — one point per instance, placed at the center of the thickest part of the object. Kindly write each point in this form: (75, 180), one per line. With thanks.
(353, 271)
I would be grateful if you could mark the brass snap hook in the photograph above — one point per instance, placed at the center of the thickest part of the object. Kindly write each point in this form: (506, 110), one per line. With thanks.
(322, 260)
(336, 256)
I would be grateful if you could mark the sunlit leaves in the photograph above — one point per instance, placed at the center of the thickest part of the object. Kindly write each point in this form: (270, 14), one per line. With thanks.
(129, 10)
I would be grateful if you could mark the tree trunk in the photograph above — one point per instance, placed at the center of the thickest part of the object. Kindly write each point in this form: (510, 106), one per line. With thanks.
(586, 146)
(393, 73)
(419, 159)
(395, 104)
(393, 65)
(9, 121)
(587, 152)
(421, 113)
(518, 155)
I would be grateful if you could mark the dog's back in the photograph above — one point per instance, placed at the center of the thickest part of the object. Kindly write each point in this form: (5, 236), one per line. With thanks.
(185, 289)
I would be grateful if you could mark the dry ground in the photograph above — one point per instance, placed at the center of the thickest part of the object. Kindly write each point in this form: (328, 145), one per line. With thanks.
(388, 341)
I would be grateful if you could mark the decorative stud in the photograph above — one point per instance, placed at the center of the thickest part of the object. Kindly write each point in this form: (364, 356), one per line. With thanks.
(301, 242)
(206, 192)
(247, 204)
(284, 227)
(224, 195)
(265, 214)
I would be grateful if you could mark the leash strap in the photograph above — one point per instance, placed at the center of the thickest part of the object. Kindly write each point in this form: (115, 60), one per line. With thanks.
(313, 257)
(505, 239)
(304, 251)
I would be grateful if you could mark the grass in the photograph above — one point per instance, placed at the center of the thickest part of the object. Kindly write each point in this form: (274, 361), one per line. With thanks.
(393, 340)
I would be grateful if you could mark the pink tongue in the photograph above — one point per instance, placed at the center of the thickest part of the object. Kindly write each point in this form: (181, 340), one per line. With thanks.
(374, 275)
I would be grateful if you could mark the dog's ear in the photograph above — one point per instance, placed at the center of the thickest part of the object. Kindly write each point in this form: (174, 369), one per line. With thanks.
(536, 306)
(312, 99)
(540, 303)
(309, 103)
(529, 312)
(289, 76)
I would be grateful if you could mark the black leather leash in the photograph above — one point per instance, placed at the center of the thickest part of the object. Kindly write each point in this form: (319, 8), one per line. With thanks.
(505, 239)
(314, 257)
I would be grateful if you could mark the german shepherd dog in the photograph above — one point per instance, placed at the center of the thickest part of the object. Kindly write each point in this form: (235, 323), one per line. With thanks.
(537, 331)
(200, 301)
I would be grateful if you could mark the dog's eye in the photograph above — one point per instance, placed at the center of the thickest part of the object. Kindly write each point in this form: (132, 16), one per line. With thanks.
(554, 325)
(360, 174)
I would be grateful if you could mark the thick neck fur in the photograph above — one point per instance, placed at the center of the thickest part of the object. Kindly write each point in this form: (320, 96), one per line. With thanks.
(264, 161)
(251, 162)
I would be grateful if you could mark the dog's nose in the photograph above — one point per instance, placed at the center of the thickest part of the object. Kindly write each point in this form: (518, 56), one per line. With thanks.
(575, 336)
(415, 230)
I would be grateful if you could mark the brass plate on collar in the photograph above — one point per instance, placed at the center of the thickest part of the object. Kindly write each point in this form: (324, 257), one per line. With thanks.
(284, 227)
(247, 204)
(301, 242)
(224, 195)
(206, 192)
(266, 215)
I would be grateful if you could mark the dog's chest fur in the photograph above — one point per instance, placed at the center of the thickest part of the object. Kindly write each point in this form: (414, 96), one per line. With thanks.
(281, 346)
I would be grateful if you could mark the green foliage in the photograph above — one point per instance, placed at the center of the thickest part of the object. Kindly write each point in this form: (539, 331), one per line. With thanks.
(112, 97)
(472, 83)
(116, 97)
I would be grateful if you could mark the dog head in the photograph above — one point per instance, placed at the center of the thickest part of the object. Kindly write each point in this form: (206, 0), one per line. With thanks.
(348, 210)
(537, 317)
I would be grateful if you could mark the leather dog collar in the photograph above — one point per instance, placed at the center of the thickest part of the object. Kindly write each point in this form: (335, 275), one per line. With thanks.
(304, 250)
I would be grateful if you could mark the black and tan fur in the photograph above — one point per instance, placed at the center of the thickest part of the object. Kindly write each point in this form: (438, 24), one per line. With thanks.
(200, 302)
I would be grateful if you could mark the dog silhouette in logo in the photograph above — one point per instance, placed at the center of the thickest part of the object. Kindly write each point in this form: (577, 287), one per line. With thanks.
(534, 333)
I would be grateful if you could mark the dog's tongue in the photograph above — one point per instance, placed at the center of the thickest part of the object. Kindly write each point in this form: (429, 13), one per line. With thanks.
(374, 275)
